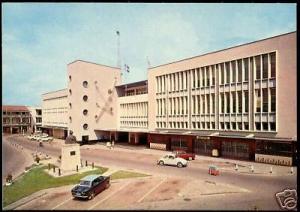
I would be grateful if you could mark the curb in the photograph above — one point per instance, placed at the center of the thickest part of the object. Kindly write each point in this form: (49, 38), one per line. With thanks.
(24, 201)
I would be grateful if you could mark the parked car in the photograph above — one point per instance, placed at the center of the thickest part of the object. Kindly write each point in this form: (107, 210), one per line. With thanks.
(172, 160)
(90, 186)
(46, 139)
(185, 155)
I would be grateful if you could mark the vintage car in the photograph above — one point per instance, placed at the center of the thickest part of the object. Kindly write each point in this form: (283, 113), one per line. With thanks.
(172, 160)
(46, 139)
(90, 186)
(185, 155)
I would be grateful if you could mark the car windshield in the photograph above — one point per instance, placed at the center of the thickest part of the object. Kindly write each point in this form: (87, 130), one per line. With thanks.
(85, 183)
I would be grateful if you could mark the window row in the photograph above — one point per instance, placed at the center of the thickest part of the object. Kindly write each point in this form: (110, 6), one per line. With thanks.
(203, 125)
(203, 104)
(203, 77)
(265, 100)
(234, 102)
(134, 123)
(134, 110)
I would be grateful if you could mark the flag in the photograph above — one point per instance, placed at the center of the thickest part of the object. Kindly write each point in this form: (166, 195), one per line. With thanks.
(118, 33)
(126, 68)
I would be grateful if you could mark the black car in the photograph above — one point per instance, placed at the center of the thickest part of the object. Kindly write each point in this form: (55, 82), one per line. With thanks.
(90, 186)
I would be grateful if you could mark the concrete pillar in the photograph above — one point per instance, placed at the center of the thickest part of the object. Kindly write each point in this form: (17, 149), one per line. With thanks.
(136, 138)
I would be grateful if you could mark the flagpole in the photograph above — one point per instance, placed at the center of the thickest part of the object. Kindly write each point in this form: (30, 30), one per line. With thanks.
(118, 50)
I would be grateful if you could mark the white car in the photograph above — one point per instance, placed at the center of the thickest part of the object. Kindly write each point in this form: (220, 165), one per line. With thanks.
(46, 139)
(171, 159)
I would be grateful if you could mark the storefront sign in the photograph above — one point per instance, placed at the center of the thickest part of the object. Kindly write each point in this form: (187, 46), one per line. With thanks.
(203, 137)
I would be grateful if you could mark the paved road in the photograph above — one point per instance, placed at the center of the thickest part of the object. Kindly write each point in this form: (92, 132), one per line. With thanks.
(263, 188)
(14, 160)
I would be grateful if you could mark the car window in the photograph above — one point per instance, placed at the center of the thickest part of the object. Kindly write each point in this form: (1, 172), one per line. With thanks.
(171, 157)
(85, 183)
(96, 181)
(166, 156)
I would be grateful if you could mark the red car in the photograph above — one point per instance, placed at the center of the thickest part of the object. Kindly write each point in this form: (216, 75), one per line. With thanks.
(185, 155)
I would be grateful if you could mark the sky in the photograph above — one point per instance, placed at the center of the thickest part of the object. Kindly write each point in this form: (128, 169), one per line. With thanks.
(40, 39)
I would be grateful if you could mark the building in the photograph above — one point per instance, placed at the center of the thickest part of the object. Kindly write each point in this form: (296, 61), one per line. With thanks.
(231, 103)
(240, 101)
(36, 118)
(15, 119)
(55, 113)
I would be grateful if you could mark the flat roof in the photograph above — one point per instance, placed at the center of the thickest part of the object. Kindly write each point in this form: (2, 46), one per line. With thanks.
(14, 108)
(93, 63)
(55, 91)
(133, 84)
(222, 50)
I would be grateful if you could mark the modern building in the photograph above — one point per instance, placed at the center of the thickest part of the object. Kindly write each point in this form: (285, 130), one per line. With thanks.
(55, 113)
(36, 118)
(238, 102)
(15, 119)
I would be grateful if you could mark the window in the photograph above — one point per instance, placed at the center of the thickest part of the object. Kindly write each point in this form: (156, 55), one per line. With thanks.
(233, 102)
(203, 125)
(273, 99)
(265, 99)
(265, 66)
(202, 76)
(257, 65)
(70, 78)
(85, 112)
(222, 125)
(233, 68)
(203, 104)
(207, 76)
(257, 126)
(207, 125)
(70, 91)
(240, 70)
(194, 78)
(213, 102)
(239, 125)
(246, 126)
(265, 126)
(227, 102)
(70, 119)
(85, 84)
(239, 94)
(222, 73)
(246, 99)
(227, 125)
(272, 126)
(85, 126)
(222, 102)
(233, 126)
(198, 77)
(213, 75)
(246, 69)
(208, 103)
(227, 66)
(85, 98)
(258, 100)
(273, 64)
(70, 104)
(213, 125)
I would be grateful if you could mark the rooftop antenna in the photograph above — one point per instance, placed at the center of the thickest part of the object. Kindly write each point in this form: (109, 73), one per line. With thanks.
(118, 49)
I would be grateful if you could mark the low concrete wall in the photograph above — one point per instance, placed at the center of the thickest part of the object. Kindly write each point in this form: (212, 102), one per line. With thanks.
(273, 159)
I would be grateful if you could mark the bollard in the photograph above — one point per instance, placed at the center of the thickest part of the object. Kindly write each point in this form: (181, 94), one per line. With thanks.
(53, 169)
(93, 165)
(236, 167)
(81, 163)
(252, 168)
(271, 170)
(292, 170)
(76, 168)
(48, 166)
(59, 172)
(86, 163)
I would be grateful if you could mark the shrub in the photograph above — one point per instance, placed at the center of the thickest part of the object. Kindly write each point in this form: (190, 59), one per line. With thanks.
(9, 178)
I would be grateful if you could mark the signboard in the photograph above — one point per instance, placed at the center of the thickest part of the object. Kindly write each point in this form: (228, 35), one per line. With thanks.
(203, 137)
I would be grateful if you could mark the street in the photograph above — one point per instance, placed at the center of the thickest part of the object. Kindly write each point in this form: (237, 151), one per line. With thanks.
(262, 188)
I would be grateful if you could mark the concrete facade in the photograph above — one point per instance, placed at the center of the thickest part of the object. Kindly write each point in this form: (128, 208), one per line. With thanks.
(92, 99)
(36, 118)
(55, 113)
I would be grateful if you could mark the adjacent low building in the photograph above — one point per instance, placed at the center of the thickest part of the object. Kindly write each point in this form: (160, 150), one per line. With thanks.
(55, 113)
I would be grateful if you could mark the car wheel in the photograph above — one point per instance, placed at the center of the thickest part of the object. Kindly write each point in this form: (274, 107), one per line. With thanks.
(161, 163)
(179, 165)
(190, 158)
(92, 195)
